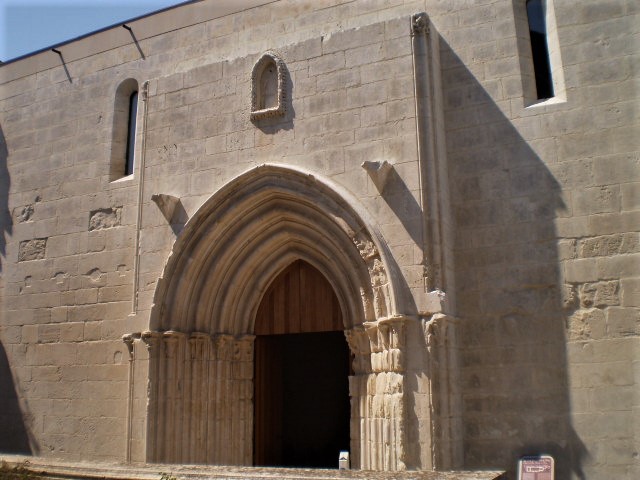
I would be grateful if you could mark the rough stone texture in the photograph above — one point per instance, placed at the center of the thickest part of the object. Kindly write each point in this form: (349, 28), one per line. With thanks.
(32, 249)
(105, 218)
(115, 471)
(505, 235)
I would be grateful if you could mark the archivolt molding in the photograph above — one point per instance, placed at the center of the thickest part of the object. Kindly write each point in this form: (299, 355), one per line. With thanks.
(249, 231)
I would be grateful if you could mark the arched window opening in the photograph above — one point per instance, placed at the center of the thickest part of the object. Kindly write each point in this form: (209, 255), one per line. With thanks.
(123, 141)
(539, 48)
(131, 133)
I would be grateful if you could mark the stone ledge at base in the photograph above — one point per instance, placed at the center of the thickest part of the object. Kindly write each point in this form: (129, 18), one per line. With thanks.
(50, 468)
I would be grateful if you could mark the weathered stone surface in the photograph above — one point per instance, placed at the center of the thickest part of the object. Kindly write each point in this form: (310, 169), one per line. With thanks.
(23, 214)
(114, 471)
(105, 218)
(518, 214)
(600, 294)
(32, 249)
(586, 325)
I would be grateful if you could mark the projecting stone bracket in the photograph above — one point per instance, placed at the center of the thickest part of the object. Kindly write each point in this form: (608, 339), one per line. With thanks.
(379, 173)
(166, 203)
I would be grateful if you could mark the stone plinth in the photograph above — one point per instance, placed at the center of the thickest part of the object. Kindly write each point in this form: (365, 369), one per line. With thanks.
(120, 471)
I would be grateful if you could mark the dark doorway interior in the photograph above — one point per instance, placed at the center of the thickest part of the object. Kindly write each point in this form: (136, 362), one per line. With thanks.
(301, 387)
(302, 406)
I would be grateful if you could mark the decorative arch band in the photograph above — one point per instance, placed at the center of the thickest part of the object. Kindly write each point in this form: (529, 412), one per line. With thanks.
(248, 232)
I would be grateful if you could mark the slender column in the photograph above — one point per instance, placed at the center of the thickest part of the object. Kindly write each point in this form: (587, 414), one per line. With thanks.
(184, 402)
(358, 389)
(128, 340)
(172, 439)
(212, 403)
(224, 400)
(155, 393)
(243, 377)
(440, 335)
(430, 138)
(199, 352)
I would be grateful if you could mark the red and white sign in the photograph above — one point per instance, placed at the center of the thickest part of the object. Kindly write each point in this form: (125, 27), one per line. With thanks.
(536, 468)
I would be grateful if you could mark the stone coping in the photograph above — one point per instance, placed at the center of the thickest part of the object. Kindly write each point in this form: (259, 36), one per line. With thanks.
(119, 471)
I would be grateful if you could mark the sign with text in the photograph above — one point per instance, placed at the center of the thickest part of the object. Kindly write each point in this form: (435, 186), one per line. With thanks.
(536, 468)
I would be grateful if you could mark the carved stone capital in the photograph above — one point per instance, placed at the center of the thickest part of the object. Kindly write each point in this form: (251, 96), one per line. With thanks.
(224, 346)
(358, 341)
(197, 345)
(243, 348)
(420, 24)
(151, 341)
(439, 329)
(145, 91)
(396, 329)
(128, 340)
(171, 339)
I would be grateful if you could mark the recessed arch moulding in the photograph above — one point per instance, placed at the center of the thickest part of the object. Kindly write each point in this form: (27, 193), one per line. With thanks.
(191, 372)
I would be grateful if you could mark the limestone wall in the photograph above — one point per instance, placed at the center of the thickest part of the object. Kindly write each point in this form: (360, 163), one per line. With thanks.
(547, 236)
(70, 268)
(542, 227)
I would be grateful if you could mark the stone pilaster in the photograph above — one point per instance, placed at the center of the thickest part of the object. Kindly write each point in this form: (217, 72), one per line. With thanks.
(377, 394)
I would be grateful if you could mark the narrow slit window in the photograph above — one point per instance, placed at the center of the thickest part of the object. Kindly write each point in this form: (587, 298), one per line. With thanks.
(131, 133)
(123, 140)
(540, 48)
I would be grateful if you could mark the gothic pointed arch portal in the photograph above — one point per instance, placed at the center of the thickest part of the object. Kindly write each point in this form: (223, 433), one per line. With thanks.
(198, 354)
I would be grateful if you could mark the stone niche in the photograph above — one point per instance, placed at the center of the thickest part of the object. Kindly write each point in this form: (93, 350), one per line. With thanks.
(268, 98)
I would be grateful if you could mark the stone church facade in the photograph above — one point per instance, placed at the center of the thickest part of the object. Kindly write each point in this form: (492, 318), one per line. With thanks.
(218, 214)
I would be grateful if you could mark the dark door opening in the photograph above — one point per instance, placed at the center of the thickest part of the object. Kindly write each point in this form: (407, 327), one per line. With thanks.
(301, 386)
(301, 399)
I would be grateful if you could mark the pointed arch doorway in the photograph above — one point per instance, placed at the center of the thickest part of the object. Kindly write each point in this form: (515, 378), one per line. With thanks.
(302, 364)
(192, 372)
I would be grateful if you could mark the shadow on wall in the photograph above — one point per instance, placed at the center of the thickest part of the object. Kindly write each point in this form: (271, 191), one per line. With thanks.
(14, 436)
(515, 397)
(404, 205)
(6, 225)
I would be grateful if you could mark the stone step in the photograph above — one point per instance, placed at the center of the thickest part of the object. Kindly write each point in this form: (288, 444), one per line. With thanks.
(50, 468)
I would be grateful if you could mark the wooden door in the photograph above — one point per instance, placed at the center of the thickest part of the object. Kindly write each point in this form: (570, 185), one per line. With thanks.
(301, 392)
(300, 300)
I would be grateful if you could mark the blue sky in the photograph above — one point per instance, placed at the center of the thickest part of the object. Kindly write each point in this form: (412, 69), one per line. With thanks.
(30, 25)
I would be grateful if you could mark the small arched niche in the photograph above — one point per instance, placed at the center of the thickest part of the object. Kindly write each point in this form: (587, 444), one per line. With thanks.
(268, 87)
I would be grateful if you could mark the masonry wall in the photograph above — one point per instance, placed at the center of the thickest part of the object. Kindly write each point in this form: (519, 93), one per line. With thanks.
(70, 266)
(545, 199)
(544, 209)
